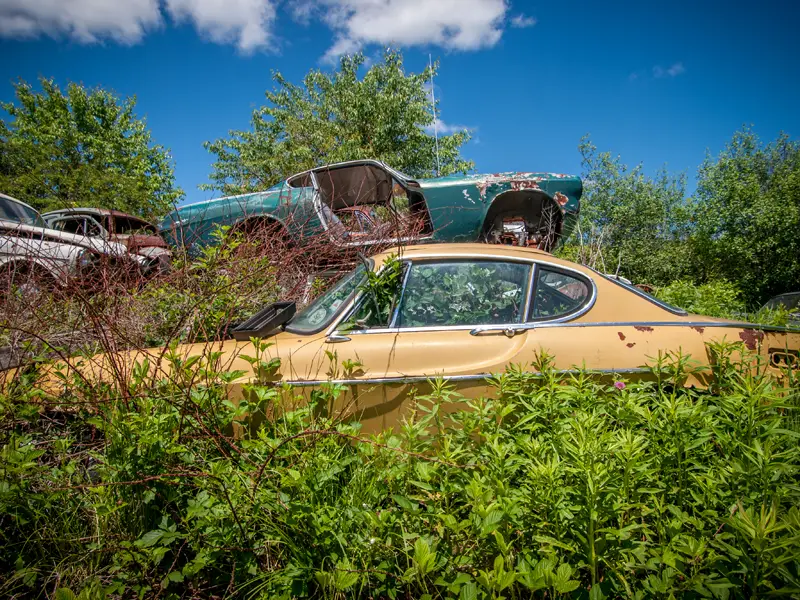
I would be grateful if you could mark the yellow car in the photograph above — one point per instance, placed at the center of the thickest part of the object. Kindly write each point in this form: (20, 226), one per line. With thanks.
(464, 312)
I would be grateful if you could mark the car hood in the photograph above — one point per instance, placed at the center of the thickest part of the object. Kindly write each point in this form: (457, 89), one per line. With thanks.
(54, 235)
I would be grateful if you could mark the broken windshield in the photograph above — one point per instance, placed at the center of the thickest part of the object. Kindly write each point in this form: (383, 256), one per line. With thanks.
(321, 312)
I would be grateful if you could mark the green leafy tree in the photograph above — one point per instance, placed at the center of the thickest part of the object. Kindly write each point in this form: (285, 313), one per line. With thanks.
(635, 225)
(747, 213)
(333, 117)
(82, 147)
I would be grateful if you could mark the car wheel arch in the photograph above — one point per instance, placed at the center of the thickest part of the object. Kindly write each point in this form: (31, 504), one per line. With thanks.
(517, 203)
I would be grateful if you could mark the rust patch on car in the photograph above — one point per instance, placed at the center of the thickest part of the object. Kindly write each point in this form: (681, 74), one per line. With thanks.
(751, 338)
(524, 184)
(621, 335)
(630, 344)
(698, 329)
(644, 328)
(560, 198)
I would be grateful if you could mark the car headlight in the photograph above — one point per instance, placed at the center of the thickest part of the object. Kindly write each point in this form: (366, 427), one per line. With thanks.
(85, 259)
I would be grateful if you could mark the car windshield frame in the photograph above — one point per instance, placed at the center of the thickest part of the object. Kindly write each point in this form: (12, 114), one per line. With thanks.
(355, 278)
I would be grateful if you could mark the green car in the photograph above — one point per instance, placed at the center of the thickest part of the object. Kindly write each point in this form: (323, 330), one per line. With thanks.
(366, 203)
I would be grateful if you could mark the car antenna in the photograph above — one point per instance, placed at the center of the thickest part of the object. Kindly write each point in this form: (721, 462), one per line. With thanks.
(435, 119)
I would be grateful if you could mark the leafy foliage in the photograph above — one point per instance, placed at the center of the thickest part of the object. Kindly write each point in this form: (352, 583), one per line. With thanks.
(642, 222)
(748, 216)
(464, 293)
(337, 117)
(741, 225)
(82, 148)
(716, 298)
(556, 486)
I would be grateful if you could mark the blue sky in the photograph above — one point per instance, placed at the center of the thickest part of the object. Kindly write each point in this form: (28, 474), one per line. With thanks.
(656, 82)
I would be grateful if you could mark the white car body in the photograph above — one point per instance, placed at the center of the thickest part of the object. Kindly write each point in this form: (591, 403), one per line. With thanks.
(54, 252)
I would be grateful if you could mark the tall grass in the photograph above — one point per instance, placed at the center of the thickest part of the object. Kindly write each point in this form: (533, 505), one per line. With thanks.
(556, 486)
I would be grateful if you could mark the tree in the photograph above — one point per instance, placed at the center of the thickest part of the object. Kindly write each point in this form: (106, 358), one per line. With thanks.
(337, 117)
(82, 148)
(747, 215)
(637, 225)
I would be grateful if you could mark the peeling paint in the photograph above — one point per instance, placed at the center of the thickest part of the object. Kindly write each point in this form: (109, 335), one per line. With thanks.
(630, 344)
(525, 184)
(698, 329)
(466, 197)
(621, 335)
(560, 198)
(644, 328)
(751, 338)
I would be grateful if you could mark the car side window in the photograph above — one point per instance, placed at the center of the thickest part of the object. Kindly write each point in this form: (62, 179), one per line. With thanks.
(557, 294)
(464, 293)
(70, 226)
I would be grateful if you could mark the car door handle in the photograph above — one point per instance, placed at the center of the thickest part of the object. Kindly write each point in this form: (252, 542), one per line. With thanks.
(493, 329)
(336, 339)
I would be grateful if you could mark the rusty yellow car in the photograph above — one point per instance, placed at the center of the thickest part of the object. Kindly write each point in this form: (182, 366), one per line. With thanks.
(465, 312)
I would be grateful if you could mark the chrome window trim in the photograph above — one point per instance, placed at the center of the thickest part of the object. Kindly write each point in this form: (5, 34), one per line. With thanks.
(425, 378)
(587, 306)
(424, 257)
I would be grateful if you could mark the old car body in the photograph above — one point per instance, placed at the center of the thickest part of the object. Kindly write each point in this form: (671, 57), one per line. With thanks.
(137, 235)
(514, 208)
(789, 302)
(29, 247)
(465, 312)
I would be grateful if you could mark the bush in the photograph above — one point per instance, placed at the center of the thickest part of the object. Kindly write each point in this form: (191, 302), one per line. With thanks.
(715, 299)
(559, 485)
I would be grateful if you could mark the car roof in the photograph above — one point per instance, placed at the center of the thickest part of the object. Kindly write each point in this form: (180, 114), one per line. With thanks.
(472, 250)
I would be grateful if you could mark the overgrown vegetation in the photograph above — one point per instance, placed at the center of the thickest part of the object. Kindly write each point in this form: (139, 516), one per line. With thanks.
(558, 486)
(82, 147)
(334, 117)
(738, 231)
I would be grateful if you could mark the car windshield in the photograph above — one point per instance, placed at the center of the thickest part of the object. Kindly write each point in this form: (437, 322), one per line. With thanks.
(321, 312)
(790, 301)
(20, 213)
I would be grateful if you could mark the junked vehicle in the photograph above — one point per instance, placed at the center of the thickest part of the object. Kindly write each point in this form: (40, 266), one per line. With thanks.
(465, 312)
(137, 235)
(363, 204)
(790, 302)
(33, 255)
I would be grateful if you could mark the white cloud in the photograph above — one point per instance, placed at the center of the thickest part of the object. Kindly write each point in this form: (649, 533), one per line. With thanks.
(87, 21)
(443, 128)
(671, 71)
(247, 23)
(676, 69)
(451, 24)
(521, 21)
(250, 24)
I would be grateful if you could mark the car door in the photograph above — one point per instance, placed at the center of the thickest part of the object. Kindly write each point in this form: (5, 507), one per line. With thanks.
(435, 330)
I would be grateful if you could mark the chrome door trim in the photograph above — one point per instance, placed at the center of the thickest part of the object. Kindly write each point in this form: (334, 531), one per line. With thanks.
(557, 323)
(425, 378)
